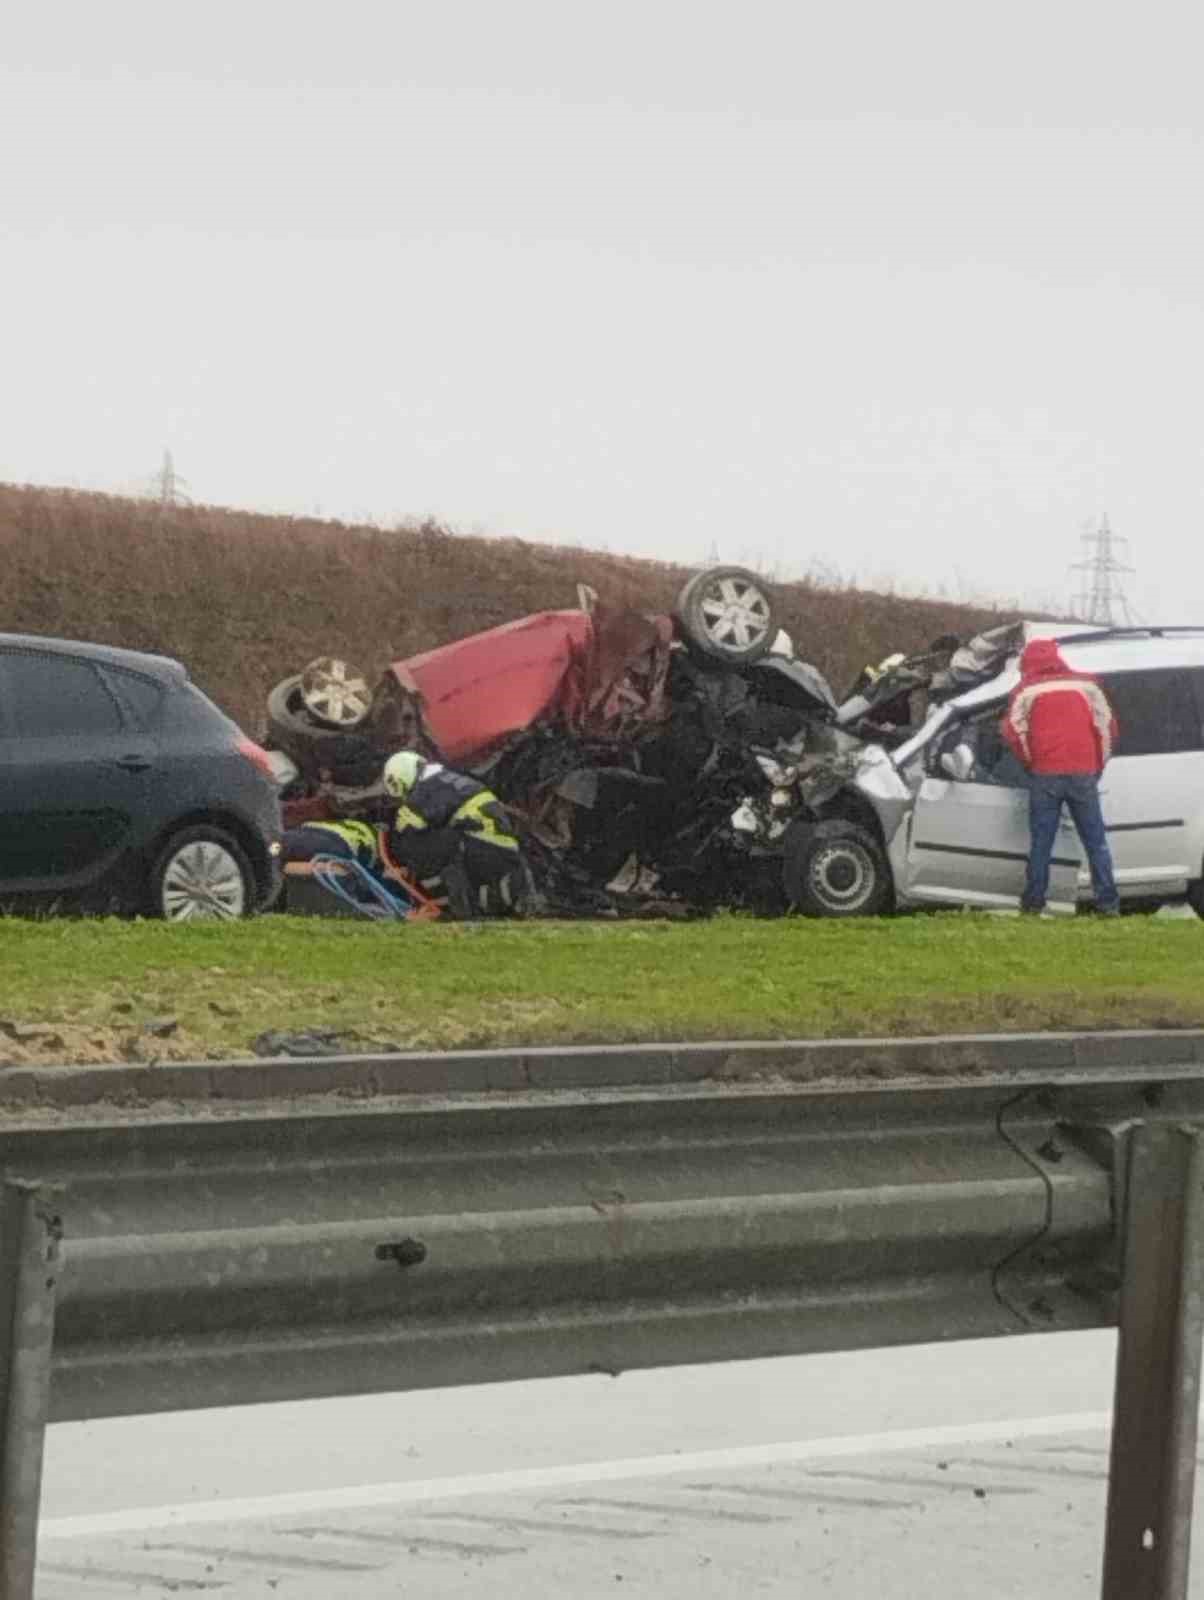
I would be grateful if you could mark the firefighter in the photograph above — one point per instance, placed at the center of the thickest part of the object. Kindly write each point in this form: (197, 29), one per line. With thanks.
(889, 720)
(450, 825)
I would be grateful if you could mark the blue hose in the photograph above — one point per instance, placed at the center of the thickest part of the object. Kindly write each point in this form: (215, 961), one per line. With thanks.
(336, 874)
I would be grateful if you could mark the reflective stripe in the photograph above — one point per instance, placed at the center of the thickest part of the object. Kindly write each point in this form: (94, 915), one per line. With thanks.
(406, 818)
(484, 826)
(1101, 713)
(361, 834)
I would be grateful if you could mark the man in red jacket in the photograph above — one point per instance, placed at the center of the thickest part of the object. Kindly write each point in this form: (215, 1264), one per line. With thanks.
(1060, 725)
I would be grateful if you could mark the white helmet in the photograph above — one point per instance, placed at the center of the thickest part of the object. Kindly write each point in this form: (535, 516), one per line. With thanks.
(402, 772)
(883, 667)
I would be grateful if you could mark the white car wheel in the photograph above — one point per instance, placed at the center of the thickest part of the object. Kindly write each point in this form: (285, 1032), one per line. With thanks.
(335, 693)
(841, 877)
(736, 614)
(835, 869)
(728, 614)
(203, 877)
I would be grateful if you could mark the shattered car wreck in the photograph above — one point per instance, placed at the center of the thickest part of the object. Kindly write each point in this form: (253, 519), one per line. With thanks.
(687, 759)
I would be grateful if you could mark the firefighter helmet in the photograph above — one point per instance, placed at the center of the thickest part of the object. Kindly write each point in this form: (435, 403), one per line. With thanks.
(402, 772)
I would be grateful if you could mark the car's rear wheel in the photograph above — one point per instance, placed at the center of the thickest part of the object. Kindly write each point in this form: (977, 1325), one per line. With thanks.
(728, 614)
(202, 875)
(835, 869)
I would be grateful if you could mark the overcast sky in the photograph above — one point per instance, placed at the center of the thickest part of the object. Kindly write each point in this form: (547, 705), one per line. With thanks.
(904, 292)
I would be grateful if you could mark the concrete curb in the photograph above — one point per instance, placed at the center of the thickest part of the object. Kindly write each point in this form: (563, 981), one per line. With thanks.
(579, 1067)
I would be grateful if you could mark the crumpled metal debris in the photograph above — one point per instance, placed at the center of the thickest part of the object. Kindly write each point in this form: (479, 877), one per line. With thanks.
(628, 750)
(161, 1027)
(302, 1042)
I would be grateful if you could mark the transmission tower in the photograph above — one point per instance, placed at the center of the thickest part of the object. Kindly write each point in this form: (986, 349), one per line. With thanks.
(1101, 596)
(169, 486)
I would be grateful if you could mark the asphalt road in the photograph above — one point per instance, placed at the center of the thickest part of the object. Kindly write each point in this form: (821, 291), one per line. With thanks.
(975, 1470)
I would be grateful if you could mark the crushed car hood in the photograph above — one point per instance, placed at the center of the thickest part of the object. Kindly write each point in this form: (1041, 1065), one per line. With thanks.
(601, 672)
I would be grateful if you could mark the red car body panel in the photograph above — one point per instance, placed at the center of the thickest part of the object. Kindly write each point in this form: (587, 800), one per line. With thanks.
(601, 673)
(479, 692)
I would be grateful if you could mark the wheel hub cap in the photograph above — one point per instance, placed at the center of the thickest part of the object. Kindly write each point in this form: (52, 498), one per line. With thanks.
(736, 613)
(203, 882)
(840, 877)
(335, 691)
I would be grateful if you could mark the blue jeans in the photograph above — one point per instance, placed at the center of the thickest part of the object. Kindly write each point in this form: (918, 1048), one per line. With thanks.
(1079, 792)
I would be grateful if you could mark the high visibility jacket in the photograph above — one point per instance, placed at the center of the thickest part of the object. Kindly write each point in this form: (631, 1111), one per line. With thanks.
(445, 799)
(1058, 720)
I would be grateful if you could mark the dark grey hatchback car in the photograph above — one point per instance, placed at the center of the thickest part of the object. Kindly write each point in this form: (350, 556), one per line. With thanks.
(121, 784)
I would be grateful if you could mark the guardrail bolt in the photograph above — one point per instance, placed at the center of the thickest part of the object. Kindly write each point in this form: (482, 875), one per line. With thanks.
(406, 1252)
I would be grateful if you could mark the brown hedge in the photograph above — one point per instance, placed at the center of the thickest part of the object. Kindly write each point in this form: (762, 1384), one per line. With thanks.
(243, 599)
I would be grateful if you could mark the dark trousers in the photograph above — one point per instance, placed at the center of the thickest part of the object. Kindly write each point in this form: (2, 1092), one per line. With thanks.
(481, 879)
(1079, 793)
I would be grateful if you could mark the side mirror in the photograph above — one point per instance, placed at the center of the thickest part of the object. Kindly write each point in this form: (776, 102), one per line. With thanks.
(958, 763)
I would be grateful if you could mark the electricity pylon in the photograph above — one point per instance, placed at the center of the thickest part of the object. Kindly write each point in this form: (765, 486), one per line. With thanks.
(169, 486)
(1101, 595)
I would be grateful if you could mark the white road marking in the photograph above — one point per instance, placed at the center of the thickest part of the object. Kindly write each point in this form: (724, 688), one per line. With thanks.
(539, 1478)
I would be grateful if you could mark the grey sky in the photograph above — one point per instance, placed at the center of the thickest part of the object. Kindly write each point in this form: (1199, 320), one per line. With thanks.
(905, 292)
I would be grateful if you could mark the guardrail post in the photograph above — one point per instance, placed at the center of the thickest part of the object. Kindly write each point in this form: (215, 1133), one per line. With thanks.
(30, 1231)
(1153, 1465)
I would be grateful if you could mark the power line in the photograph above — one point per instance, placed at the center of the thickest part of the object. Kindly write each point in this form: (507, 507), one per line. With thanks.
(1101, 596)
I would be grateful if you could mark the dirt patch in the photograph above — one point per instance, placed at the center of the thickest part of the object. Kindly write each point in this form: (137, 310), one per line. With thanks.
(58, 1043)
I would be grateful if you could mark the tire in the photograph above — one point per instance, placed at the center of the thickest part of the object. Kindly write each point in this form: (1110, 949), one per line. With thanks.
(728, 614)
(291, 728)
(835, 869)
(201, 875)
(1195, 896)
(288, 718)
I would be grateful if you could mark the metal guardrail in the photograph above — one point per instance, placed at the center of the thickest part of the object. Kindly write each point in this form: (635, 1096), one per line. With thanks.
(292, 1229)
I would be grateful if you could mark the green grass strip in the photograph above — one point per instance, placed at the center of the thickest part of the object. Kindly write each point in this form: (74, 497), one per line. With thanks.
(84, 991)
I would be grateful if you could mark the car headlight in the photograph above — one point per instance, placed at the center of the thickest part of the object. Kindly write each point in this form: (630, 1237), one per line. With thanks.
(744, 819)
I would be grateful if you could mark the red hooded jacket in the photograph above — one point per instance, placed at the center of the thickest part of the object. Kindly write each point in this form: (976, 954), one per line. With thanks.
(1058, 720)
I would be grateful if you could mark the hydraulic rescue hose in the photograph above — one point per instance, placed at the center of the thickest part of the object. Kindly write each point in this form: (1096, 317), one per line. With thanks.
(338, 876)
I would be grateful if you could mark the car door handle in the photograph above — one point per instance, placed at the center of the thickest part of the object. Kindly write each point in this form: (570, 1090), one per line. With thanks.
(132, 763)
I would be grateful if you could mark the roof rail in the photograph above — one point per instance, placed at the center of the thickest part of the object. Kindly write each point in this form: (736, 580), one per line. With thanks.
(1128, 633)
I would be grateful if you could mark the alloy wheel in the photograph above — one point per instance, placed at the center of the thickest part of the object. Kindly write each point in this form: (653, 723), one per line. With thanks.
(335, 692)
(203, 882)
(735, 613)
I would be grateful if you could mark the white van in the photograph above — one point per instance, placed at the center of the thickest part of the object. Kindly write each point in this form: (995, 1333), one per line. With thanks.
(947, 814)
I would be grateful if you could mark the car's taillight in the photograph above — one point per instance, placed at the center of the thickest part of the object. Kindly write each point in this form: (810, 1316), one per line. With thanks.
(258, 757)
